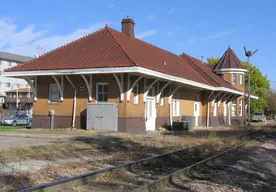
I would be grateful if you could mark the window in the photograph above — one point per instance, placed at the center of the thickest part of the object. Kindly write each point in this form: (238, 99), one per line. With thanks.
(53, 93)
(10, 95)
(234, 108)
(14, 95)
(241, 80)
(8, 84)
(135, 94)
(1, 62)
(162, 99)
(234, 78)
(196, 98)
(240, 107)
(215, 109)
(176, 104)
(102, 92)
(10, 64)
(20, 95)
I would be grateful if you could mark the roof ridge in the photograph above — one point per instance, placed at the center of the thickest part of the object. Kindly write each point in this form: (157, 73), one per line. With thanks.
(124, 50)
(58, 48)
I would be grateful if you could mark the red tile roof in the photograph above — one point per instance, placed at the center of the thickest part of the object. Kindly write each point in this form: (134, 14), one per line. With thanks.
(206, 72)
(228, 60)
(111, 48)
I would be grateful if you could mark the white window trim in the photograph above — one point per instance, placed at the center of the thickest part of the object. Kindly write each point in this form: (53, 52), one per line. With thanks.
(234, 83)
(49, 87)
(135, 97)
(176, 104)
(233, 114)
(241, 79)
(97, 92)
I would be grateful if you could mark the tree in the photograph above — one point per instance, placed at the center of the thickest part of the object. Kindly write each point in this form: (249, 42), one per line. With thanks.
(213, 60)
(271, 102)
(260, 86)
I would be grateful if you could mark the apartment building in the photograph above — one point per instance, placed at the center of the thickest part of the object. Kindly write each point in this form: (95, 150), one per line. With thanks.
(8, 60)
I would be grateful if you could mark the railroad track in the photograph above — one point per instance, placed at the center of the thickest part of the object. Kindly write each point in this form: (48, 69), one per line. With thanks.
(167, 183)
(148, 172)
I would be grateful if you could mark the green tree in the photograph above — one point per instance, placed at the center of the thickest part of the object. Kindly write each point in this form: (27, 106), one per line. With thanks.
(260, 86)
(213, 60)
(271, 103)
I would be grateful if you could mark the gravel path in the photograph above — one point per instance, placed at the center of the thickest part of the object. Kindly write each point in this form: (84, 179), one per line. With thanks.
(250, 169)
(18, 142)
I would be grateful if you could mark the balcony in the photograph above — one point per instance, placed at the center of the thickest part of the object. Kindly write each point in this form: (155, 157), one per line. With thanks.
(20, 100)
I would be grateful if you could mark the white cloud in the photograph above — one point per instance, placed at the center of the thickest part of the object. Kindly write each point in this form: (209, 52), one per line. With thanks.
(218, 35)
(26, 40)
(174, 30)
(111, 5)
(209, 37)
(151, 16)
(171, 10)
(146, 34)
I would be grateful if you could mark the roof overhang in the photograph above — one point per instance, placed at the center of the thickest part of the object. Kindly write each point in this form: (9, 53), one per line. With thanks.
(135, 69)
(231, 70)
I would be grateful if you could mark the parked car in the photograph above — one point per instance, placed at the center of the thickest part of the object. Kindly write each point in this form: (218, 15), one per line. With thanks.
(17, 119)
(258, 116)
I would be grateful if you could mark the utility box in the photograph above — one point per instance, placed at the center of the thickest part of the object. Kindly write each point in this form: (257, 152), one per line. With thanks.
(102, 116)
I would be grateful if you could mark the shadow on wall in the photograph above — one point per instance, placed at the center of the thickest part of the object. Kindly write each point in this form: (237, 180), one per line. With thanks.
(83, 117)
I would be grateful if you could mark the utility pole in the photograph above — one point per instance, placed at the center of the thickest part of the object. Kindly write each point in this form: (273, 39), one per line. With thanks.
(249, 54)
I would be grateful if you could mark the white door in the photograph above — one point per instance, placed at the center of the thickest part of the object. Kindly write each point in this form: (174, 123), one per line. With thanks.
(150, 114)
(196, 112)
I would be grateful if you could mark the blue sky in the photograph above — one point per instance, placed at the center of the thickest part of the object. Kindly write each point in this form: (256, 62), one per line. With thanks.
(198, 27)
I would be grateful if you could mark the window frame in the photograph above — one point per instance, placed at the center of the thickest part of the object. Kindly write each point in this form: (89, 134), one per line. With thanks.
(97, 92)
(241, 79)
(49, 93)
(240, 107)
(176, 104)
(20, 95)
(234, 105)
(135, 92)
(234, 82)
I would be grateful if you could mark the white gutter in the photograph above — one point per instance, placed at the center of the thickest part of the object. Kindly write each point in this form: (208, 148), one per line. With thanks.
(119, 70)
(252, 96)
(74, 101)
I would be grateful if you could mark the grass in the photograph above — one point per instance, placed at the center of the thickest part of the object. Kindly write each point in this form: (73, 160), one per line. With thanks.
(11, 128)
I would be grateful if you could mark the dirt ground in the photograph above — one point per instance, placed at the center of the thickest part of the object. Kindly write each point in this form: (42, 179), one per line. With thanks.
(80, 154)
(252, 168)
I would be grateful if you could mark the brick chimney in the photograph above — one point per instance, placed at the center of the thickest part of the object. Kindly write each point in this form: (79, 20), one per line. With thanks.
(128, 27)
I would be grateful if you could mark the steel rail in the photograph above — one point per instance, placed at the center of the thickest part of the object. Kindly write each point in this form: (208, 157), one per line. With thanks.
(84, 178)
(158, 184)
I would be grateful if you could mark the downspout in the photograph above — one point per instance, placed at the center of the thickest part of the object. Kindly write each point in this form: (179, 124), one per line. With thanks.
(208, 109)
(74, 108)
